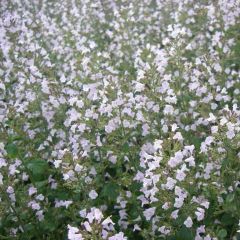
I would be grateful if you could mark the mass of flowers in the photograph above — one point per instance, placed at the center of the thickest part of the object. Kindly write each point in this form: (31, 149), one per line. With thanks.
(120, 119)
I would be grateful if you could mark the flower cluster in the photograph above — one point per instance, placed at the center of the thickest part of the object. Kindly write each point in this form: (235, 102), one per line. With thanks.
(94, 227)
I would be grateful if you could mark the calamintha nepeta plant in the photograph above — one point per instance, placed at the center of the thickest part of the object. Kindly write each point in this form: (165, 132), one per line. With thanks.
(119, 119)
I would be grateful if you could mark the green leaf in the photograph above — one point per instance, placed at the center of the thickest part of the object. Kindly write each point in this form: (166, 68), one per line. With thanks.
(111, 191)
(133, 212)
(38, 169)
(49, 224)
(227, 220)
(12, 150)
(230, 198)
(125, 147)
(222, 233)
(184, 233)
(61, 194)
(41, 184)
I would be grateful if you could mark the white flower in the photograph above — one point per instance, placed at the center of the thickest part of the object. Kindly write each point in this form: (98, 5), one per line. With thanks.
(214, 129)
(107, 221)
(165, 206)
(217, 67)
(139, 87)
(63, 203)
(83, 213)
(168, 109)
(174, 127)
(3, 162)
(178, 136)
(209, 140)
(158, 144)
(164, 230)
(211, 118)
(31, 191)
(87, 226)
(34, 205)
(40, 197)
(148, 213)
(201, 229)
(205, 204)
(208, 238)
(10, 190)
(180, 176)
(177, 159)
(191, 161)
(72, 233)
(78, 168)
(200, 214)
(170, 183)
(165, 128)
(230, 134)
(118, 236)
(40, 215)
(188, 222)
(136, 228)
(95, 214)
(178, 202)
(113, 159)
(57, 163)
(174, 214)
(93, 194)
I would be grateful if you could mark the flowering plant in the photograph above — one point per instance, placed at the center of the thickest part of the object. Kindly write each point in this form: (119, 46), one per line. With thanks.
(120, 119)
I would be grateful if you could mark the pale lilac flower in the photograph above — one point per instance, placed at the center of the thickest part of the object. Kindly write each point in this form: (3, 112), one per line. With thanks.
(73, 233)
(149, 213)
(118, 236)
(93, 194)
(188, 222)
